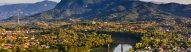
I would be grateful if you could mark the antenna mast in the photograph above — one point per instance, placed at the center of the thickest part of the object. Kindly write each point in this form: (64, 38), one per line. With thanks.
(18, 19)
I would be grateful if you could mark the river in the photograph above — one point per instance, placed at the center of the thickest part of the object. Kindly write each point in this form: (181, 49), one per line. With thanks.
(122, 48)
(122, 42)
(118, 45)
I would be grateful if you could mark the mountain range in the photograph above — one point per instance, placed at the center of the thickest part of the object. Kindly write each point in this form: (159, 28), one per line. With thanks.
(112, 10)
(25, 9)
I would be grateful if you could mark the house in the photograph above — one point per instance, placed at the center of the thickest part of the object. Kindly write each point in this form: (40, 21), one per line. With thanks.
(43, 45)
(26, 37)
(26, 31)
(26, 44)
(6, 47)
(188, 49)
(8, 31)
(160, 49)
(32, 38)
(105, 22)
(47, 47)
(32, 31)
(3, 33)
(9, 36)
(32, 43)
(1, 37)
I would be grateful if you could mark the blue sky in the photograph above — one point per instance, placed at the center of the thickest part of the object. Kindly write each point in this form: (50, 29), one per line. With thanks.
(33, 1)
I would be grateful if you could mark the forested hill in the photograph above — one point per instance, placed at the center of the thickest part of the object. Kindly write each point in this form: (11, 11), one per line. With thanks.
(112, 10)
(25, 9)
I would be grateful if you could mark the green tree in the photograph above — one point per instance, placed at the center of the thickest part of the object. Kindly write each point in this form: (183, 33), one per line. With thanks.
(138, 45)
(130, 50)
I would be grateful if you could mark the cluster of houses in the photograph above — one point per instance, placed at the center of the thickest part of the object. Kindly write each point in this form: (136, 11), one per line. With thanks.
(10, 35)
(168, 48)
(164, 49)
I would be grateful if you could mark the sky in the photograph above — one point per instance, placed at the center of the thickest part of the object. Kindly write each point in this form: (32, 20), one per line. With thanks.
(169, 1)
(33, 1)
(22, 1)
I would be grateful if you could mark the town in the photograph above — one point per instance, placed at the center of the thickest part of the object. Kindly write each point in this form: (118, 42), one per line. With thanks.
(154, 36)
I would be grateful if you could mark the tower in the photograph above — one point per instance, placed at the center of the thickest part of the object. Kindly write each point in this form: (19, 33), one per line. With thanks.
(18, 19)
(46, 0)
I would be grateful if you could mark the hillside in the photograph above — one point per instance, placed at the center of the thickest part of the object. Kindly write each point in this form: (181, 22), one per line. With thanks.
(25, 9)
(106, 10)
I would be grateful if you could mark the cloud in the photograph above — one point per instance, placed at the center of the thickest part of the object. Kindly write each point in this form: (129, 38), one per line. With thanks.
(23, 1)
(33, 1)
(169, 1)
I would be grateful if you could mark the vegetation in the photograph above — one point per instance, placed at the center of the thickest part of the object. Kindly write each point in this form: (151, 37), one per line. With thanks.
(57, 40)
(85, 36)
(69, 27)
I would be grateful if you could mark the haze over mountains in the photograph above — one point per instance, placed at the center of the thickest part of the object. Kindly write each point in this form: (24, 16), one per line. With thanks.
(25, 9)
(112, 10)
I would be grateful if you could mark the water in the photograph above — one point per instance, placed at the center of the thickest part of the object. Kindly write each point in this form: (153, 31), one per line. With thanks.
(119, 38)
(124, 48)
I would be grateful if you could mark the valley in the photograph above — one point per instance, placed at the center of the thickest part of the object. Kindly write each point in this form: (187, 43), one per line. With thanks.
(100, 26)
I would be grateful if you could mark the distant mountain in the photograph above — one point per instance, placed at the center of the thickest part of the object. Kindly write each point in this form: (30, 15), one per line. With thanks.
(25, 9)
(112, 10)
(139, 13)
(176, 9)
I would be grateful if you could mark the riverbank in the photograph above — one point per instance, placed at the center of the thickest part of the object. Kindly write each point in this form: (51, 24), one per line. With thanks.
(118, 45)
